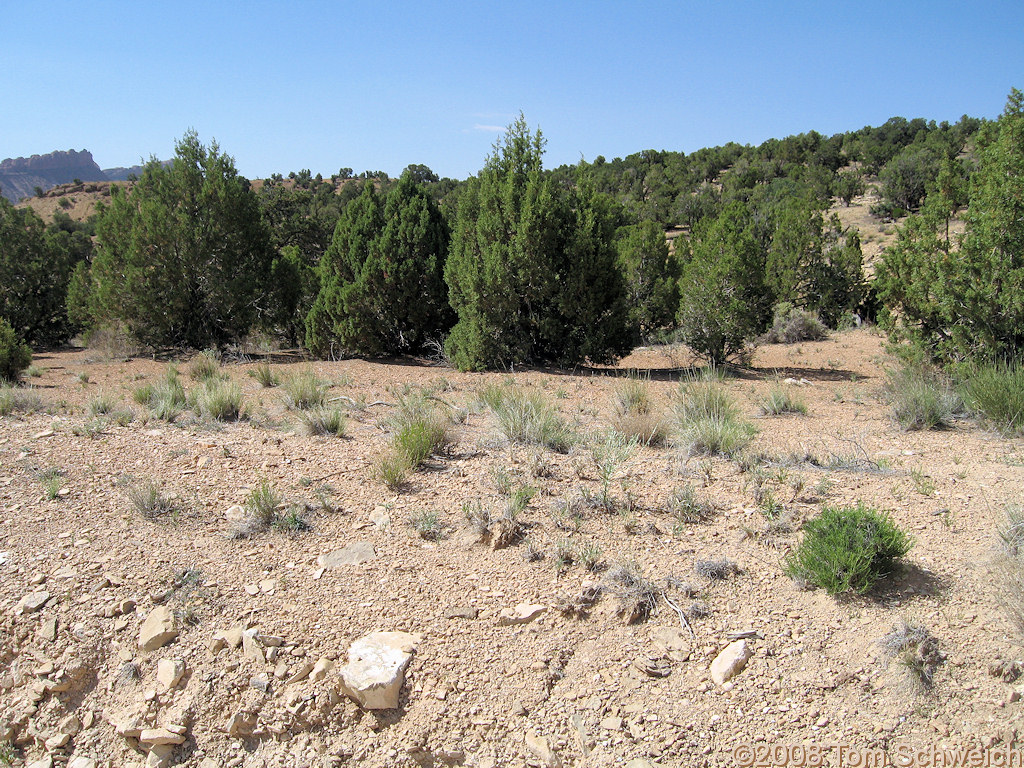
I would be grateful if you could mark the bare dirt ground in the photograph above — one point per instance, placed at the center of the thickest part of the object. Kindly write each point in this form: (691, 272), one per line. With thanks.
(600, 691)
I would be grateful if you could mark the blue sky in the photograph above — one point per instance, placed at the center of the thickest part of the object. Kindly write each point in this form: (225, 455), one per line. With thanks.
(377, 85)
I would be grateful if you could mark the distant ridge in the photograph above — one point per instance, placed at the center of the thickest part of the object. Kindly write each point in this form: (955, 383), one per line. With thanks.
(19, 176)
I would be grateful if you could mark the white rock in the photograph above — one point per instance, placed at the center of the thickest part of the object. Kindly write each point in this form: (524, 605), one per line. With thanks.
(541, 747)
(33, 601)
(354, 554)
(159, 628)
(169, 672)
(81, 762)
(160, 736)
(523, 613)
(730, 662)
(376, 670)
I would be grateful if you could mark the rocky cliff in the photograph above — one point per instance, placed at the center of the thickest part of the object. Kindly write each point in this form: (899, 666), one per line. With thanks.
(21, 175)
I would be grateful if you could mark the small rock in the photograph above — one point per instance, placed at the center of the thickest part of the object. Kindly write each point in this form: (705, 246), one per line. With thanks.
(320, 669)
(241, 724)
(354, 554)
(251, 649)
(612, 723)
(523, 613)
(375, 672)
(235, 513)
(380, 517)
(541, 748)
(169, 672)
(70, 725)
(301, 673)
(466, 612)
(672, 642)
(156, 736)
(81, 762)
(48, 629)
(33, 601)
(56, 742)
(159, 756)
(260, 682)
(639, 762)
(159, 628)
(730, 662)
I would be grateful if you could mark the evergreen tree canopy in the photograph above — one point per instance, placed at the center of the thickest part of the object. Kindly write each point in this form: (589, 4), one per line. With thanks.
(531, 271)
(964, 300)
(381, 282)
(183, 257)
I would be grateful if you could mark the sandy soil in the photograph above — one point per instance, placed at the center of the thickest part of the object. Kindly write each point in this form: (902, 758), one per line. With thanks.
(476, 689)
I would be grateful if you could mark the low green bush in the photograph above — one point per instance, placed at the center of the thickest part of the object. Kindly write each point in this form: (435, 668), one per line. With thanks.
(847, 549)
(996, 392)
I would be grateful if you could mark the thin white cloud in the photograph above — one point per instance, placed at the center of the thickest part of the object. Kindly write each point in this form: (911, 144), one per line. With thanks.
(488, 128)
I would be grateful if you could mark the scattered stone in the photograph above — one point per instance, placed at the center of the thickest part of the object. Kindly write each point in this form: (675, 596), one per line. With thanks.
(672, 642)
(241, 724)
(380, 517)
(233, 636)
(320, 669)
(730, 662)
(70, 725)
(639, 762)
(466, 612)
(376, 670)
(612, 723)
(260, 682)
(251, 649)
(301, 673)
(81, 762)
(33, 601)
(523, 613)
(235, 513)
(56, 742)
(48, 629)
(159, 628)
(355, 553)
(154, 736)
(160, 756)
(169, 672)
(541, 748)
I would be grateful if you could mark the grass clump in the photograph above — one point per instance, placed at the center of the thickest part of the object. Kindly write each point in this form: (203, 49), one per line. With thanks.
(527, 418)
(304, 390)
(914, 648)
(996, 392)
(17, 400)
(323, 421)
(635, 417)
(687, 506)
(166, 398)
(261, 504)
(220, 400)
(637, 596)
(427, 523)
(716, 570)
(781, 400)
(1010, 567)
(920, 397)
(148, 500)
(709, 419)
(610, 454)
(392, 470)
(418, 431)
(265, 375)
(205, 366)
(847, 550)
(102, 404)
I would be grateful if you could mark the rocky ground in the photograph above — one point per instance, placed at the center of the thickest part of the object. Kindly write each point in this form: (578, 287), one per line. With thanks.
(128, 639)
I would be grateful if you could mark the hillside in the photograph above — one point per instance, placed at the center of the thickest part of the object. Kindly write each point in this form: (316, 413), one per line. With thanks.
(20, 176)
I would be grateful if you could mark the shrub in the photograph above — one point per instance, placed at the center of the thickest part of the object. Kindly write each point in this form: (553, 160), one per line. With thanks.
(527, 418)
(392, 469)
(634, 414)
(637, 596)
(427, 523)
(709, 419)
(166, 398)
(790, 325)
(15, 355)
(847, 549)
(686, 506)
(996, 392)
(920, 397)
(101, 404)
(261, 504)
